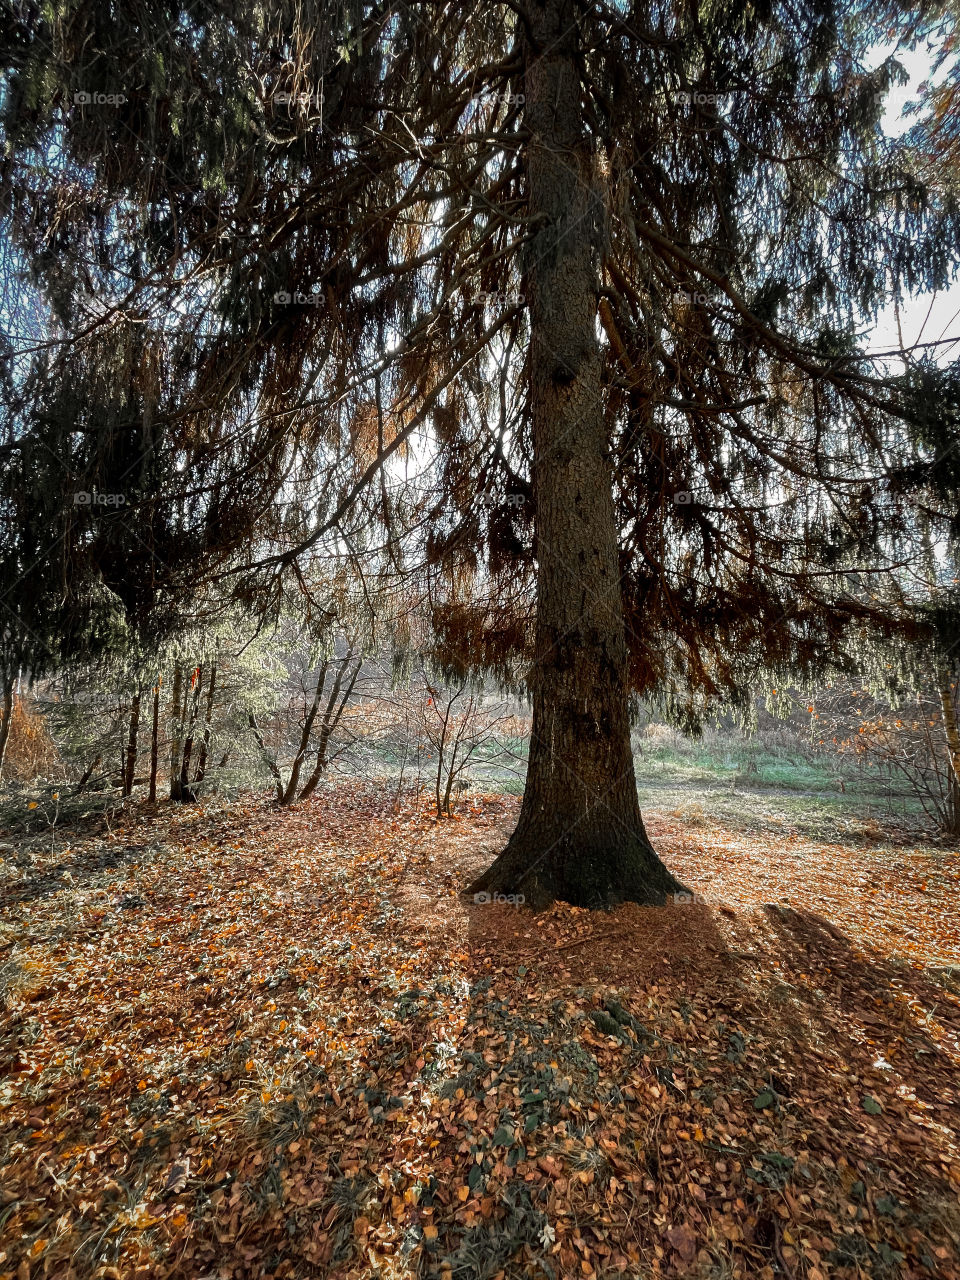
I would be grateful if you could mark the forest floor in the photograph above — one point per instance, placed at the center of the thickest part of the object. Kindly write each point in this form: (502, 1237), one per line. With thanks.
(240, 1042)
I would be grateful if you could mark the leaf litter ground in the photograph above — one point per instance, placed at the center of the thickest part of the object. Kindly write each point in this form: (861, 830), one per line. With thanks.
(242, 1042)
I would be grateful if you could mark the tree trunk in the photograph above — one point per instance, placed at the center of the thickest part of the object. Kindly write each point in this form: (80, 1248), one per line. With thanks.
(451, 774)
(951, 727)
(131, 761)
(331, 718)
(7, 717)
(580, 836)
(207, 728)
(441, 746)
(951, 825)
(155, 743)
(87, 775)
(266, 757)
(176, 730)
(187, 793)
(290, 792)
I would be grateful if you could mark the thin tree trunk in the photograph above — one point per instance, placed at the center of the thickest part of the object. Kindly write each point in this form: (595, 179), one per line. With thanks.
(441, 746)
(290, 791)
(951, 727)
(580, 836)
(87, 775)
(187, 792)
(7, 717)
(331, 718)
(176, 731)
(441, 794)
(403, 768)
(207, 727)
(267, 758)
(450, 777)
(155, 743)
(951, 808)
(131, 762)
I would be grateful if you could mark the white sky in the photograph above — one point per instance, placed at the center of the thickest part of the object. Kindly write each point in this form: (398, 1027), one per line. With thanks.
(926, 317)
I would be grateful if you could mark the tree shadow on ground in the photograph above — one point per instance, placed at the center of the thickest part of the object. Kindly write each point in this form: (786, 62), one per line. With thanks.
(877, 1008)
(824, 1074)
(307, 1055)
(81, 868)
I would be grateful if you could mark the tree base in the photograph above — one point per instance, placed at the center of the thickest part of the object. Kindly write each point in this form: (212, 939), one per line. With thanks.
(596, 872)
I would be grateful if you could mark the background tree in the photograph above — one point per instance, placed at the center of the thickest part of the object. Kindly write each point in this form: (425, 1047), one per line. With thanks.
(908, 740)
(322, 687)
(459, 724)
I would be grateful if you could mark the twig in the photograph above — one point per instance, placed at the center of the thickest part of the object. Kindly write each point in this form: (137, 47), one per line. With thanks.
(780, 1258)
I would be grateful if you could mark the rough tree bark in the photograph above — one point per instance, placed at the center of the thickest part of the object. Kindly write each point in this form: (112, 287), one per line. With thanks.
(7, 715)
(580, 836)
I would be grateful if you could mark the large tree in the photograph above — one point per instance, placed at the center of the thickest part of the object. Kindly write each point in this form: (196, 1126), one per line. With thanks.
(610, 263)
